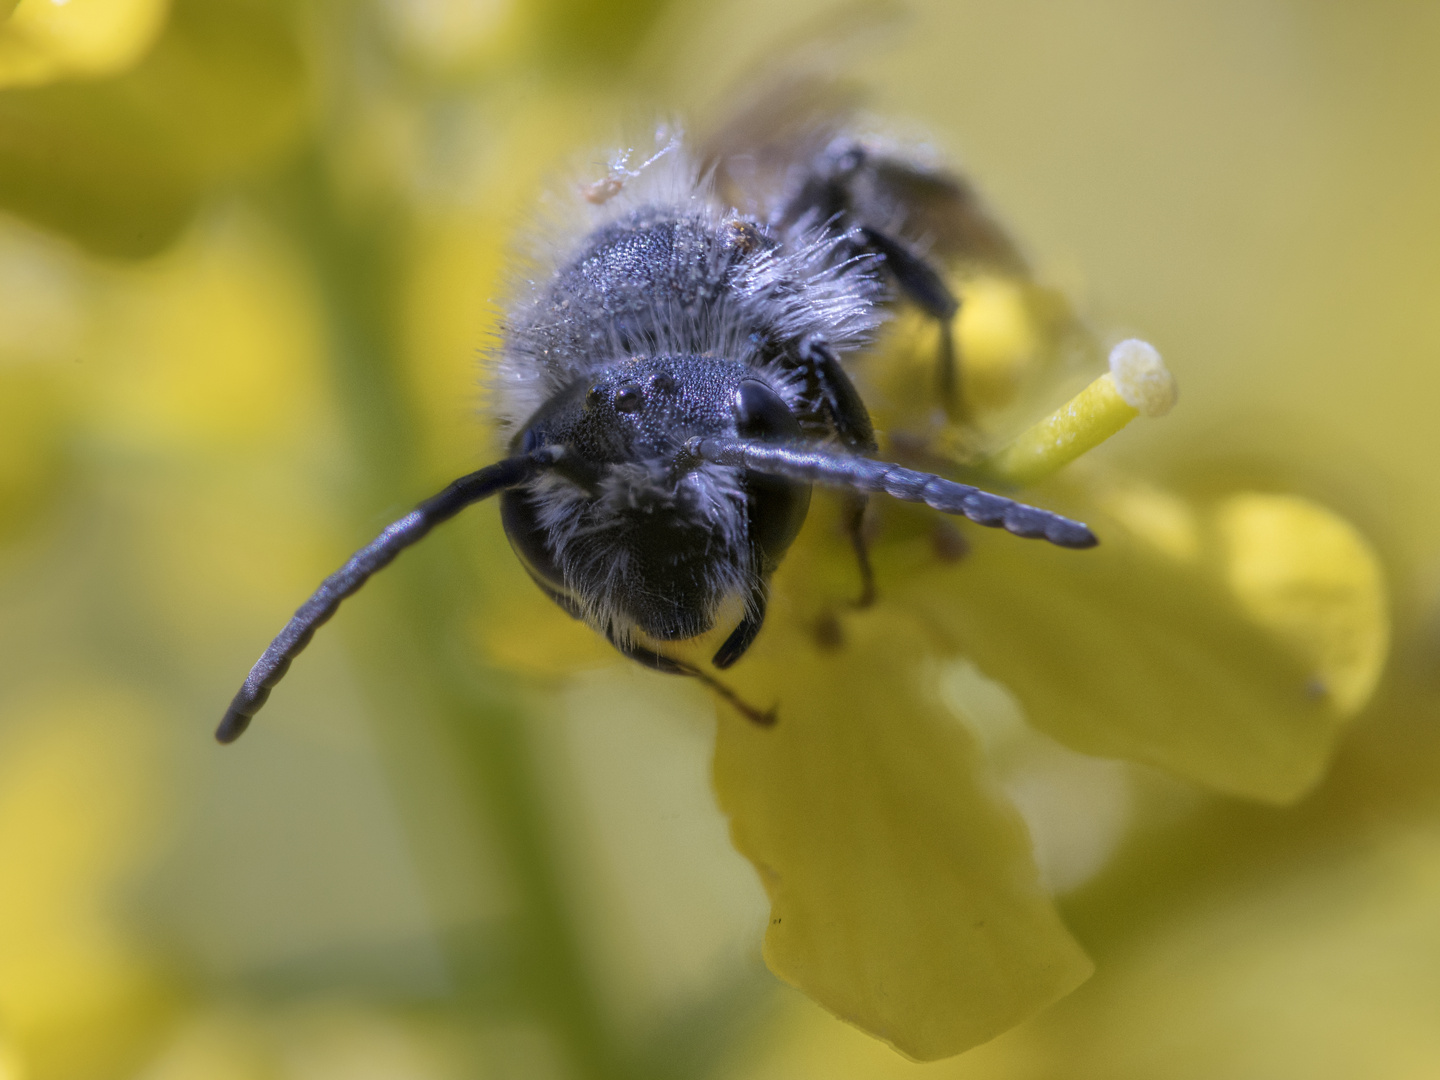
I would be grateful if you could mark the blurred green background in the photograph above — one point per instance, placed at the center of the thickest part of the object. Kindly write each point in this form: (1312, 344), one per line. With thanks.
(249, 259)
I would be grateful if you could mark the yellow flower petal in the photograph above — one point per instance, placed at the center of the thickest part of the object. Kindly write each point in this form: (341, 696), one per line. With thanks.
(1310, 579)
(1323, 974)
(1226, 642)
(1007, 333)
(904, 898)
(44, 40)
(997, 337)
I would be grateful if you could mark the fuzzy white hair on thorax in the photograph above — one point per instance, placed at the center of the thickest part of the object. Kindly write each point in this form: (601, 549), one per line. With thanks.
(563, 325)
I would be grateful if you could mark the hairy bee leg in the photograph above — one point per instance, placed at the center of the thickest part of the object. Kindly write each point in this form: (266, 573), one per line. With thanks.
(920, 281)
(855, 529)
(924, 286)
(669, 666)
(847, 409)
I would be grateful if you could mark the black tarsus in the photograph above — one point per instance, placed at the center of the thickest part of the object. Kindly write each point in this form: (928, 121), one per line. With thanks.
(668, 665)
(921, 283)
(843, 402)
(374, 556)
(855, 529)
(863, 474)
(925, 287)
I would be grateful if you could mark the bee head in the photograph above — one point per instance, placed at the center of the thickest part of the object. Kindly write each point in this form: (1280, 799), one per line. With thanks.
(630, 530)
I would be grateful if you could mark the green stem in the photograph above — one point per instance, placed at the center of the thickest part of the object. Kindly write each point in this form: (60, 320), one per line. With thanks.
(357, 264)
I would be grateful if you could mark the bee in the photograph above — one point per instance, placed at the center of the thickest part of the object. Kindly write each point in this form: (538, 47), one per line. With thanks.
(677, 383)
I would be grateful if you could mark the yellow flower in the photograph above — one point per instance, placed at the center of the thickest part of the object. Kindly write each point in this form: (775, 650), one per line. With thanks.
(1224, 637)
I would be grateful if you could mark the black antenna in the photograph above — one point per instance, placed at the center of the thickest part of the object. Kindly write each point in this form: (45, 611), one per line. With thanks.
(862, 474)
(376, 555)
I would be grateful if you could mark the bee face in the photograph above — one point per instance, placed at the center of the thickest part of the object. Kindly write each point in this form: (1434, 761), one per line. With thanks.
(632, 533)
(641, 409)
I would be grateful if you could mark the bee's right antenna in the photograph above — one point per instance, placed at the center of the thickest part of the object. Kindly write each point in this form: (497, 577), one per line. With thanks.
(862, 474)
(376, 555)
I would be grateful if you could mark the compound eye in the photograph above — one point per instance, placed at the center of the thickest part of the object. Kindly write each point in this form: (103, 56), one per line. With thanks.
(760, 413)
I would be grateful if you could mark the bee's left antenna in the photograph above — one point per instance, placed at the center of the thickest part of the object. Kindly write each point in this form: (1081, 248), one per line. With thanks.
(376, 555)
(822, 466)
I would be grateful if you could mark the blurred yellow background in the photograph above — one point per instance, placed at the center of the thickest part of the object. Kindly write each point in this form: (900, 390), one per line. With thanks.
(250, 257)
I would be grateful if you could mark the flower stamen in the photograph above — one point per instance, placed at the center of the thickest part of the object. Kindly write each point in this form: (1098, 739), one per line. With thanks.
(1137, 382)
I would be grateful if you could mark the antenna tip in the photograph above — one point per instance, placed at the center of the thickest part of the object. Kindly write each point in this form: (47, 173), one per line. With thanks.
(1071, 534)
(232, 727)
